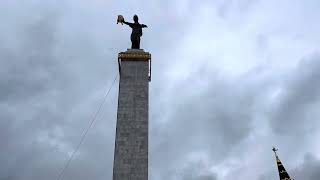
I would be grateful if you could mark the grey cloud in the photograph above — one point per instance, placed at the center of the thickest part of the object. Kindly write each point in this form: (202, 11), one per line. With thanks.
(57, 60)
(196, 171)
(309, 169)
(45, 104)
(210, 121)
(293, 112)
(191, 170)
(227, 8)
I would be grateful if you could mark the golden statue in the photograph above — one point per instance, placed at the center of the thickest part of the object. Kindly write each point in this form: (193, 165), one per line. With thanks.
(120, 19)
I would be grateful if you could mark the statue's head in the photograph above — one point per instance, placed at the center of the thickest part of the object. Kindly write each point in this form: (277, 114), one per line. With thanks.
(135, 18)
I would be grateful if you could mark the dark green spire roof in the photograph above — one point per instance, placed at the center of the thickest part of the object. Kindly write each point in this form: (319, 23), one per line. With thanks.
(283, 174)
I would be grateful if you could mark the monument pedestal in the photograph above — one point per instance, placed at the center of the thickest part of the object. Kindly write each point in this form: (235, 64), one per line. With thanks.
(131, 145)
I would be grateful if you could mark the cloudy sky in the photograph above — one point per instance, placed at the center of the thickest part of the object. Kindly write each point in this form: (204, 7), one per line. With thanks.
(231, 78)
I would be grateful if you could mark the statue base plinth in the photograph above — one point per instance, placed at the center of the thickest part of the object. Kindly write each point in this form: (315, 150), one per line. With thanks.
(135, 55)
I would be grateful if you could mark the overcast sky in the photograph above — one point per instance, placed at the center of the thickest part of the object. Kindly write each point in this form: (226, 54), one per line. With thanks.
(230, 79)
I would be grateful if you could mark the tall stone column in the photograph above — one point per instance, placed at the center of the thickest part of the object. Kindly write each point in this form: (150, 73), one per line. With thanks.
(131, 145)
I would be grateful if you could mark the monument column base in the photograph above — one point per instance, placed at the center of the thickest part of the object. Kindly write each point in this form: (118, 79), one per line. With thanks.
(131, 145)
(135, 55)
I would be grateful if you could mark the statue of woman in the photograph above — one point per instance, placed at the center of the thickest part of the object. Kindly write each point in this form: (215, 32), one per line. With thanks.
(136, 31)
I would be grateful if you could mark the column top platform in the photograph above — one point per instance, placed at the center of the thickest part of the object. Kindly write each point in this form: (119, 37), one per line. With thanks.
(134, 54)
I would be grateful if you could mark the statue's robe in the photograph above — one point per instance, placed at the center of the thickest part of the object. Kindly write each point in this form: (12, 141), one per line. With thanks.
(136, 34)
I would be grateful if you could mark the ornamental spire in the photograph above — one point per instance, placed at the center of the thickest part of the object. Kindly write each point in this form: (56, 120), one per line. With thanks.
(282, 171)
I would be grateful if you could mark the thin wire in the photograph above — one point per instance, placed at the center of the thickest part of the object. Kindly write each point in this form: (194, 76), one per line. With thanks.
(86, 131)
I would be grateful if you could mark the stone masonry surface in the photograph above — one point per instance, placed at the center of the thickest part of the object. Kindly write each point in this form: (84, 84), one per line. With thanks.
(131, 147)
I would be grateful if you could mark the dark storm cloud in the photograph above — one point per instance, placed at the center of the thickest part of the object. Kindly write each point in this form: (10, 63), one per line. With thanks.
(293, 113)
(44, 103)
(31, 64)
(212, 120)
(218, 118)
(309, 169)
(27, 75)
(195, 171)
(191, 170)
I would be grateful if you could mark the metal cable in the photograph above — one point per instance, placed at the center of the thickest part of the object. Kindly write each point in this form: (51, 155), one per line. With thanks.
(85, 131)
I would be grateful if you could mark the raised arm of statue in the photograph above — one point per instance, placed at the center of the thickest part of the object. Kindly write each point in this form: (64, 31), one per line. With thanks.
(128, 23)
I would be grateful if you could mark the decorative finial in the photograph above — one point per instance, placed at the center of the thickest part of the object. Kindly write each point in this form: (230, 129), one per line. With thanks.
(283, 174)
(274, 149)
